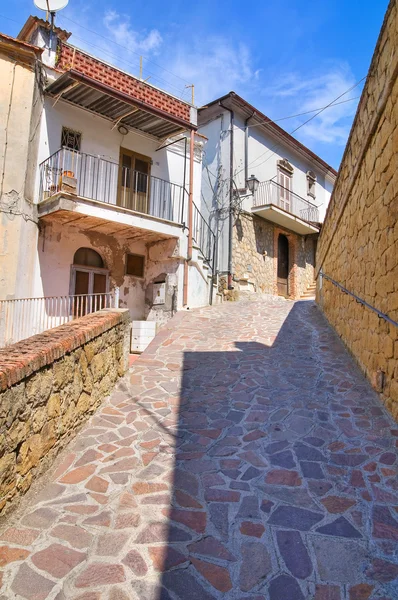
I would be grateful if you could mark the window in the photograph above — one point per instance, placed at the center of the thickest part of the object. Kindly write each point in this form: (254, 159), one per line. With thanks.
(71, 139)
(135, 265)
(311, 181)
(88, 258)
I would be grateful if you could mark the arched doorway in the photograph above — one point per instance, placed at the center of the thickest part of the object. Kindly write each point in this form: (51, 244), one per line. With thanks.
(283, 266)
(89, 281)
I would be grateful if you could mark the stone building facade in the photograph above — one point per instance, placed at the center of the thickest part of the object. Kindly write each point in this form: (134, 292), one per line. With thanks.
(358, 246)
(255, 256)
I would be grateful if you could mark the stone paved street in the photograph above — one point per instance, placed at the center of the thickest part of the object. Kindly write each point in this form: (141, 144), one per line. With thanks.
(243, 457)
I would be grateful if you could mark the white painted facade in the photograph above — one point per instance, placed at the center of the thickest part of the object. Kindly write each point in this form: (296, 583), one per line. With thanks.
(265, 148)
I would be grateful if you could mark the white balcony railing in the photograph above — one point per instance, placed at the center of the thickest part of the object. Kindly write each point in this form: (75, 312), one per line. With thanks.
(271, 193)
(21, 318)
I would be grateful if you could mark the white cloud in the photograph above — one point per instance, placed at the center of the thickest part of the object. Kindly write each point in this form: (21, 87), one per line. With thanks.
(298, 92)
(119, 27)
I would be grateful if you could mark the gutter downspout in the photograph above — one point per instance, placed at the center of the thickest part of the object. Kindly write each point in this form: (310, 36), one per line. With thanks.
(247, 147)
(231, 174)
(190, 215)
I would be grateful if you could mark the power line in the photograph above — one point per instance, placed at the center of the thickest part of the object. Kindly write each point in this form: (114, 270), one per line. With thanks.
(308, 112)
(301, 125)
(124, 48)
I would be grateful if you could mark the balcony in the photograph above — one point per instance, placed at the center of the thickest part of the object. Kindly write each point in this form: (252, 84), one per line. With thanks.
(283, 207)
(109, 195)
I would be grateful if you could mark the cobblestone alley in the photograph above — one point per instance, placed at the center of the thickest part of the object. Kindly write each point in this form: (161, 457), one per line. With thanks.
(243, 457)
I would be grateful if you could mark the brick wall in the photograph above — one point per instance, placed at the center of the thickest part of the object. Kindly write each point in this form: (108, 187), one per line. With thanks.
(358, 246)
(49, 385)
(71, 58)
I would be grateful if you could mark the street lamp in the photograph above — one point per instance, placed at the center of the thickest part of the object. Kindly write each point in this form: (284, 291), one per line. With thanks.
(252, 183)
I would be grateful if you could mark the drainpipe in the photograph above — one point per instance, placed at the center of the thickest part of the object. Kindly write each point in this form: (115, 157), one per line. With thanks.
(231, 174)
(247, 147)
(190, 215)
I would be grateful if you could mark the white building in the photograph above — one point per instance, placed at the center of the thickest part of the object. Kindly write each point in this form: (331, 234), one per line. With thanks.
(117, 189)
(268, 238)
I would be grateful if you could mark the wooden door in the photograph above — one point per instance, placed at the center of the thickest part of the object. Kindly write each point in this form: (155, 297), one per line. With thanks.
(88, 284)
(283, 266)
(133, 186)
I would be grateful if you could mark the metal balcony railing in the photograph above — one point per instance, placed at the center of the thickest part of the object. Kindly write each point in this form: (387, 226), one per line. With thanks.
(106, 181)
(270, 192)
(21, 318)
(203, 236)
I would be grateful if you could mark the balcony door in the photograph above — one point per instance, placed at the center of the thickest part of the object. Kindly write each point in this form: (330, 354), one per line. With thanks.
(89, 282)
(283, 266)
(285, 183)
(133, 183)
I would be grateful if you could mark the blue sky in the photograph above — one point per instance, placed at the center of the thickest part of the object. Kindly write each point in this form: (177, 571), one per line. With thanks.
(283, 57)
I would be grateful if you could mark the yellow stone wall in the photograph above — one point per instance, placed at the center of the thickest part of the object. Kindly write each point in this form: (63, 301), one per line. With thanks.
(358, 245)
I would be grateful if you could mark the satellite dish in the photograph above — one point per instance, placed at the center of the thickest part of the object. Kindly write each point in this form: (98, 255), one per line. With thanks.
(50, 6)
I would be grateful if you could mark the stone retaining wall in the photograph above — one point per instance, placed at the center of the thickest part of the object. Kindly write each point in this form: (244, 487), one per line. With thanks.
(49, 385)
(358, 246)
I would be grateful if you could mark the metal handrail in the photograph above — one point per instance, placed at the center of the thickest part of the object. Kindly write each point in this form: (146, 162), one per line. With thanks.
(269, 192)
(359, 300)
(203, 236)
(106, 181)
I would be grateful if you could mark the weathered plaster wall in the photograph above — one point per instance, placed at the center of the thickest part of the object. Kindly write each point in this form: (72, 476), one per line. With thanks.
(20, 112)
(358, 246)
(49, 385)
(58, 244)
(255, 254)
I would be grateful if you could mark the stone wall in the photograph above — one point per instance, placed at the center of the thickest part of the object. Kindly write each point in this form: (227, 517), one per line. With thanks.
(255, 254)
(358, 246)
(49, 385)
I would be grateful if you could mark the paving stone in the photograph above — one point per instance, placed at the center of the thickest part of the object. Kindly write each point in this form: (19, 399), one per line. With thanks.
(215, 495)
(97, 484)
(337, 504)
(382, 570)
(79, 474)
(294, 553)
(219, 518)
(217, 576)
(193, 519)
(340, 561)
(184, 585)
(255, 566)
(348, 460)
(341, 528)
(160, 532)
(362, 591)
(283, 459)
(251, 473)
(290, 495)
(385, 526)
(134, 561)
(186, 501)
(98, 574)
(40, 518)
(20, 536)
(283, 477)
(327, 592)
(110, 544)
(165, 557)
(76, 536)
(311, 470)
(295, 518)
(210, 547)
(304, 452)
(284, 587)
(8, 555)
(57, 560)
(145, 487)
(275, 447)
(249, 508)
(252, 529)
(30, 585)
(319, 488)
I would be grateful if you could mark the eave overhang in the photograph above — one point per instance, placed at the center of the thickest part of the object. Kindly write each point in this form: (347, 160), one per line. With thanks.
(120, 108)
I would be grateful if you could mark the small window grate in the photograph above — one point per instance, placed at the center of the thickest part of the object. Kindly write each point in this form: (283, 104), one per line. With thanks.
(71, 139)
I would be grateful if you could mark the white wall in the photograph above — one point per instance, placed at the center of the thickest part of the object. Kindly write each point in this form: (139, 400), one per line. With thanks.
(264, 150)
(98, 139)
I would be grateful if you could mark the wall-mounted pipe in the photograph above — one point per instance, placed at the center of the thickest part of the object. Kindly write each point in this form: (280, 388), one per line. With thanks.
(190, 216)
(247, 147)
(231, 192)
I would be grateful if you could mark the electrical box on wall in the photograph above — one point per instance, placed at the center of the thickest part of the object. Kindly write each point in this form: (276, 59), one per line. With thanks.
(159, 293)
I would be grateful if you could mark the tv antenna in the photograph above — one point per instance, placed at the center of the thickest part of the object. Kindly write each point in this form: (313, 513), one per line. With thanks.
(50, 7)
